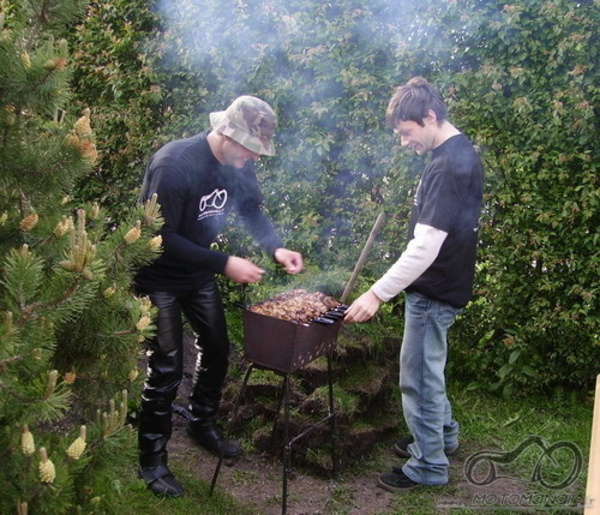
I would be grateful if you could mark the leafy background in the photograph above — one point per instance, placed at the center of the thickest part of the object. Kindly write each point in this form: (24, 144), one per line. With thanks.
(521, 80)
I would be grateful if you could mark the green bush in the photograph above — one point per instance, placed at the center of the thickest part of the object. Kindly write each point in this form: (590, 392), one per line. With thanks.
(528, 94)
(521, 80)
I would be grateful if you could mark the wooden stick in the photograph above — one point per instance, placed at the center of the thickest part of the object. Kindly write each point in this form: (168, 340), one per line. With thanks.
(363, 256)
(592, 496)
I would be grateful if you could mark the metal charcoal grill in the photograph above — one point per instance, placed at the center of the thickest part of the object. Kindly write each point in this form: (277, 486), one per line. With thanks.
(299, 344)
(287, 346)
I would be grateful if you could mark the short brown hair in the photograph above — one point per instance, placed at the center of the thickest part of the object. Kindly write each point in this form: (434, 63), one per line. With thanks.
(413, 101)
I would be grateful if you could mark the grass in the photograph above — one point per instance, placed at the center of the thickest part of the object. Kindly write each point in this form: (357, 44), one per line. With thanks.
(488, 423)
(128, 494)
(503, 425)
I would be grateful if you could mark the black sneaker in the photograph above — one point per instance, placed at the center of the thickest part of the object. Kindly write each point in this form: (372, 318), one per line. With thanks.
(401, 448)
(161, 481)
(396, 481)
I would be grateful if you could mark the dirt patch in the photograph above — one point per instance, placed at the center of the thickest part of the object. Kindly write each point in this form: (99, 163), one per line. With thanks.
(255, 480)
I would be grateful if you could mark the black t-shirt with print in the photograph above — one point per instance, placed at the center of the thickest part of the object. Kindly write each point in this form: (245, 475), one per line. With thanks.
(196, 194)
(449, 198)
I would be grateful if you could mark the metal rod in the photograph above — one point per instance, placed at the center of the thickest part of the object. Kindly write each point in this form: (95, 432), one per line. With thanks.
(332, 414)
(309, 430)
(241, 394)
(231, 420)
(287, 451)
(215, 475)
(363, 256)
(288, 443)
(277, 413)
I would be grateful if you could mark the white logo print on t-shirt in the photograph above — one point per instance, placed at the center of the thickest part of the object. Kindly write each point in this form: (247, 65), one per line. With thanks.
(212, 205)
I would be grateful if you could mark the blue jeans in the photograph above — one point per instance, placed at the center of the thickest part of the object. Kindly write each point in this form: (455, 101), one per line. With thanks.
(424, 402)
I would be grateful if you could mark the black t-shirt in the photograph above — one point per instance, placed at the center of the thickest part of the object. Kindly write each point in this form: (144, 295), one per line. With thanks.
(196, 194)
(449, 198)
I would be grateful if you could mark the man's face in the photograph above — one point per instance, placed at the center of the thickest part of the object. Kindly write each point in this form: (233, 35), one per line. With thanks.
(237, 155)
(421, 139)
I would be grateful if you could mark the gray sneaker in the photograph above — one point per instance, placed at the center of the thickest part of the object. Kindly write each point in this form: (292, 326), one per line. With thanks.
(396, 481)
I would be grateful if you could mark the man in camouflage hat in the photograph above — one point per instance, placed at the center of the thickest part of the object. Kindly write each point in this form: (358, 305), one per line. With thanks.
(249, 121)
(199, 181)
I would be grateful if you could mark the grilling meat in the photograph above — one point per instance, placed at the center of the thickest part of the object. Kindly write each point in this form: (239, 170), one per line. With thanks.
(296, 305)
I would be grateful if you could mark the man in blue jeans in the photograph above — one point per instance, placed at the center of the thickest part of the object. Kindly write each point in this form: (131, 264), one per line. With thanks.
(436, 273)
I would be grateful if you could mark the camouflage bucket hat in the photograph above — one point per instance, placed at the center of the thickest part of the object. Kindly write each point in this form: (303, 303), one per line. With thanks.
(249, 121)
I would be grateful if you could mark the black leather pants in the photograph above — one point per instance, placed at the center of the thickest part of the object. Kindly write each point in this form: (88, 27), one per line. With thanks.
(203, 309)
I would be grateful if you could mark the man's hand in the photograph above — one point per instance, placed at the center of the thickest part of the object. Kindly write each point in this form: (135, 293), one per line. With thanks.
(290, 260)
(363, 308)
(241, 270)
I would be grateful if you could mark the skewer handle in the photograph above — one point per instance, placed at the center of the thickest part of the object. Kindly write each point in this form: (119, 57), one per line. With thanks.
(363, 256)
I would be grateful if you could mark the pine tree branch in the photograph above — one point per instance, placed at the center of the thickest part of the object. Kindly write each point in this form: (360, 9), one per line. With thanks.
(28, 311)
(24, 204)
(4, 362)
(123, 333)
(16, 395)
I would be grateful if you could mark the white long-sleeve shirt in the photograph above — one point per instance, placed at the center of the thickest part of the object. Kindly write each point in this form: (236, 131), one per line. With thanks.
(420, 253)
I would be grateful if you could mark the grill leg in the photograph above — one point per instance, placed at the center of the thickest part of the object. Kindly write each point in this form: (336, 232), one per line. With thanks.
(332, 420)
(231, 420)
(241, 394)
(282, 396)
(287, 447)
(287, 450)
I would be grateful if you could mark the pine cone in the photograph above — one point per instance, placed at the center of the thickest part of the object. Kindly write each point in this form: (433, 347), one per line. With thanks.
(76, 449)
(133, 234)
(109, 292)
(143, 323)
(89, 152)
(25, 60)
(83, 128)
(68, 265)
(155, 243)
(52, 377)
(29, 222)
(46, 468)
(63, 227)
(27, 444)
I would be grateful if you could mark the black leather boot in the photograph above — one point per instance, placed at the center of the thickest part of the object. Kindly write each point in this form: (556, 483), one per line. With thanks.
(203, 427)
(158, 478)
(154, 431)
(209, 435)
(204, 407)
